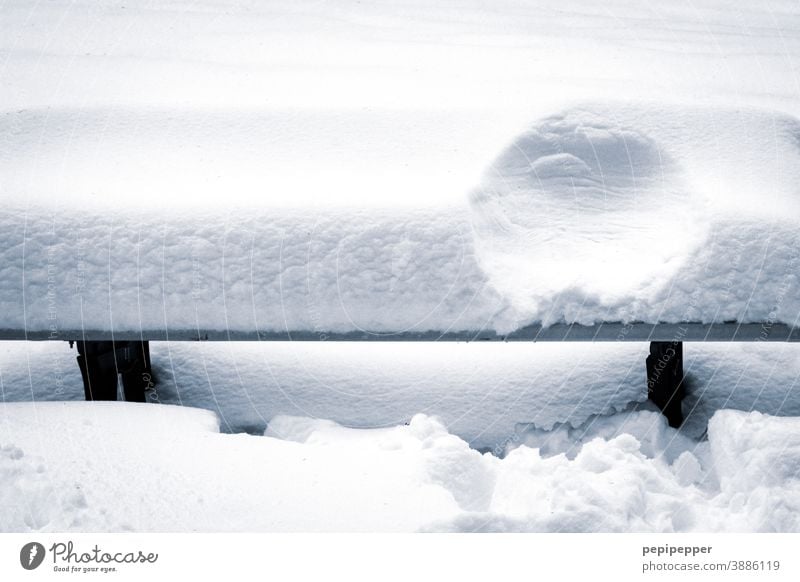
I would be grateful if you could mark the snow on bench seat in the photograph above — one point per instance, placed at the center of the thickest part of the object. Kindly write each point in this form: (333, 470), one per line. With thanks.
(600, 213)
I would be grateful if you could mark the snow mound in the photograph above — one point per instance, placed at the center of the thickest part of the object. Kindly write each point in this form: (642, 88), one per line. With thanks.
(754, 450)
(621, 482)
(616, 212)
(442, 459)
(757, 462)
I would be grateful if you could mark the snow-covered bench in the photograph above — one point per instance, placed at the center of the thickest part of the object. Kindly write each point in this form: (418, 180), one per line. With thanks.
(601, 223)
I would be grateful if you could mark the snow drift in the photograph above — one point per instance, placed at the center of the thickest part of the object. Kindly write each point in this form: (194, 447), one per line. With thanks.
(127, 467)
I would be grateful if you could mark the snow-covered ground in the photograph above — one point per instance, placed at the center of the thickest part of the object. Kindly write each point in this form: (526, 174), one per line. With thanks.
(488, 437)
(388, 166)
(122, 466)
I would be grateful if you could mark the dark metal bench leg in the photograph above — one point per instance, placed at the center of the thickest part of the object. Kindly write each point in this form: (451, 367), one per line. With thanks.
(137, 375)
(101, 361)
(665, 386)
(99, 378)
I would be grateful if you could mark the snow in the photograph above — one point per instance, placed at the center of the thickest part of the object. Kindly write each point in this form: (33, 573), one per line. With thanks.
(128, 467)
(317, 166)
(620, 481)
(121, 157)
(395, 54)
(293, 270)
(399, 165)
(613, 212)
(604, 212)
(117, 467)
(483, 393)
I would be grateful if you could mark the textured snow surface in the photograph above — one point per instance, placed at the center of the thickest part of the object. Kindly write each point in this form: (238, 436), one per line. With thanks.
(262, 270)
(124, 467)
